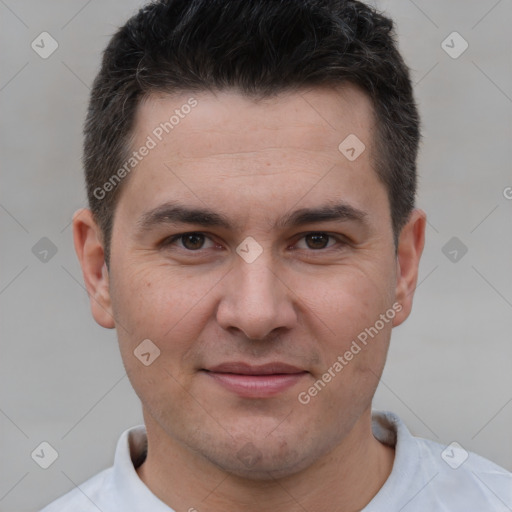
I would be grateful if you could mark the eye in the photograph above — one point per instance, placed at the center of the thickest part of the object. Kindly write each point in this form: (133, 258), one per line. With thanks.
(196, 241)
(318, 241)
(189, 241)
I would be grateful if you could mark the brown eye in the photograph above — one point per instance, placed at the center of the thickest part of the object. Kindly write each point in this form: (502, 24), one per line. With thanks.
(320, 242)
(190, 242)
(193, 241)
(317, 240)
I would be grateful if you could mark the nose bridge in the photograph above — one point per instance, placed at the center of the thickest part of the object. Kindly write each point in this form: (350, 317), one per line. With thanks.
(258, 283)
(256, 301)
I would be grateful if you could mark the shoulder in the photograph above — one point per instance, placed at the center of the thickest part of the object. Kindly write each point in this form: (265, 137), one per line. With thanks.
(457, 479)
(87, 497)
(428, 475)
(480, 481)
(114, 488)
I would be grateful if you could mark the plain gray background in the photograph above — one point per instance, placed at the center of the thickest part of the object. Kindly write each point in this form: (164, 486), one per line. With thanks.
(62, 381)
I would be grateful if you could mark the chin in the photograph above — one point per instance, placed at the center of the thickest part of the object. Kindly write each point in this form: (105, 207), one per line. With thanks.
(263, 460)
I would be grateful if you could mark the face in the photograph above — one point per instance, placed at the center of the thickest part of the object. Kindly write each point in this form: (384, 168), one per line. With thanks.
(256, 256)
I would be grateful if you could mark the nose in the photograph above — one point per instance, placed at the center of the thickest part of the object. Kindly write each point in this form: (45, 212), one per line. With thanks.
(256, 301)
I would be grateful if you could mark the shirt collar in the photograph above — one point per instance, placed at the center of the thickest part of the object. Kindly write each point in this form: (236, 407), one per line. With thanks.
(389, 429)
(130, 491)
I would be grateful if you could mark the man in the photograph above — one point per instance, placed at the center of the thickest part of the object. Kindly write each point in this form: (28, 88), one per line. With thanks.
(252, 237)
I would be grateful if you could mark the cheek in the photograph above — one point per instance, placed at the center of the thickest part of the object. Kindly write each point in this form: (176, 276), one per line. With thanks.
(158, 297)
(356, 339)
(350, 299)
(163, 306)
(158, 305)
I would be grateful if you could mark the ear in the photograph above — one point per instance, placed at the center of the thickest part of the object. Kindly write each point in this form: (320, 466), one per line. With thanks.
(89, 249)
(410, 248)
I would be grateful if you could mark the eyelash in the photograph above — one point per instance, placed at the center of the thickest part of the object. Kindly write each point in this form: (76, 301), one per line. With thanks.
(171, 240)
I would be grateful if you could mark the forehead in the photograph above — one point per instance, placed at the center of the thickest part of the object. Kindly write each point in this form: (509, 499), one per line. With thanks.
(206, 145)
(229, 122)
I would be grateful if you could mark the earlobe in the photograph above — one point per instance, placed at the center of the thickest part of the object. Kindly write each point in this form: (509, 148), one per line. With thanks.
(89, 249)
(410, 248)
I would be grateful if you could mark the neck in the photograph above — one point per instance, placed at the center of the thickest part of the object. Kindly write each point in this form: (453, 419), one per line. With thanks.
(344, 480)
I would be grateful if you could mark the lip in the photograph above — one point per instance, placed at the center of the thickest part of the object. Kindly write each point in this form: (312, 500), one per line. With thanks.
(242, 368)
(255, 381)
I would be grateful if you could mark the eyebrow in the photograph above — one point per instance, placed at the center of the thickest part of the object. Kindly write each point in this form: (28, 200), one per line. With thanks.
(175, 213)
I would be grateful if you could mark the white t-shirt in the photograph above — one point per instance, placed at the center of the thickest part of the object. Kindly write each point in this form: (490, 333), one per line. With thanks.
(426, 477)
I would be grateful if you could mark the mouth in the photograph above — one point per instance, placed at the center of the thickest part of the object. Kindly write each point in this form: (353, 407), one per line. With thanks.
(251, 381)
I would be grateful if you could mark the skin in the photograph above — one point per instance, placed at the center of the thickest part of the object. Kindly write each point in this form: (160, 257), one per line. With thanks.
(298, 303)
